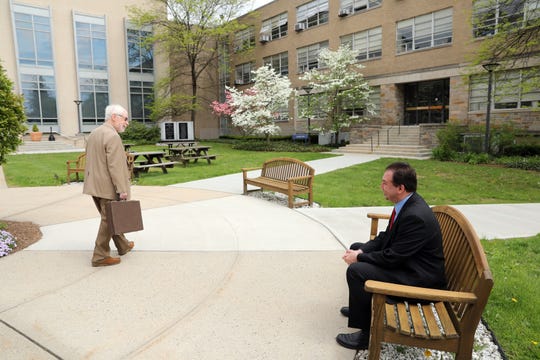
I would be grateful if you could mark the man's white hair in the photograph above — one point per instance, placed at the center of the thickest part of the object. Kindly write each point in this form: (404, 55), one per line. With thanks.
(114, 109)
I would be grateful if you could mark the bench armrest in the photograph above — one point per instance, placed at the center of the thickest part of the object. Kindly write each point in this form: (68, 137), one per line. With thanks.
(378, 216)
(416, 292)
(245, 170)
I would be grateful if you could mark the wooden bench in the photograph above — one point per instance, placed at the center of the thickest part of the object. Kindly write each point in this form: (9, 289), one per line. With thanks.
(284, 175)
(76, 167)
(449, 322)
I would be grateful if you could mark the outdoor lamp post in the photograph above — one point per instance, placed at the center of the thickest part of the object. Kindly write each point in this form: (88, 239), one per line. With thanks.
(489, 67)
(308, 89)
(78, 103)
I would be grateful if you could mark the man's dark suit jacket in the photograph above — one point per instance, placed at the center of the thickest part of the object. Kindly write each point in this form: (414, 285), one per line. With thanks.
(412, 248)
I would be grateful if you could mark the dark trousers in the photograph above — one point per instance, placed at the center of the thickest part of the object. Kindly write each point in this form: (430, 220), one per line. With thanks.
(359, 299)
(102, 248)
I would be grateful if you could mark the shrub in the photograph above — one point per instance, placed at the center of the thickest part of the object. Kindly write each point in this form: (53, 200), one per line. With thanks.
(521, 150)
(518, 162)
(35, 128)
(450, 142)
(282, 146)
(141, 133)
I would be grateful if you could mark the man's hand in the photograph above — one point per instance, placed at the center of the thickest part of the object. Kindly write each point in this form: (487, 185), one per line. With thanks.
(123, 196)
(351, 256)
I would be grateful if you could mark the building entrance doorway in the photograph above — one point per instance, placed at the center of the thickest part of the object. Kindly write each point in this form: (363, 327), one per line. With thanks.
(426, 102)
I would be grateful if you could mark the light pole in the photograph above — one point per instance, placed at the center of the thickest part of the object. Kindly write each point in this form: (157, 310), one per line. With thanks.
(307, 89)
(78, 103)
(489, 67)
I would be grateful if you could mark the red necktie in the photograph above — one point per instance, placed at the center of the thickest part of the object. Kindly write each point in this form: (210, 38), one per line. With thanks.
(392, 218)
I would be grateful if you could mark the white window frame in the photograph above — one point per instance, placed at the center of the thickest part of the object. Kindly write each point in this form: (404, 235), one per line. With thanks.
(367, 44)
(275, 27)
(281, 60)
(313, 13)
(308, 57)
(425, 31)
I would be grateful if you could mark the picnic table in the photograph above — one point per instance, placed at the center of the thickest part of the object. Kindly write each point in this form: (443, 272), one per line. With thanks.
(185, 154)
(144, 160)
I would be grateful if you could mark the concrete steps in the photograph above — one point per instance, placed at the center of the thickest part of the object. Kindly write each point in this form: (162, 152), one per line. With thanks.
(60, 144)
(392, 141)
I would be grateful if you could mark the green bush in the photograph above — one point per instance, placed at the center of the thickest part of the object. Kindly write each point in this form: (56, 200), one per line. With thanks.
(278, 146)
(450, 142)
(141, 134)
(518, 162)
(521, 150)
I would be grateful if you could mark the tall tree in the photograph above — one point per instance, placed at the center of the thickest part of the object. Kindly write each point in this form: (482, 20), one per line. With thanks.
(190, 32)
(339, 86)
(12, 117)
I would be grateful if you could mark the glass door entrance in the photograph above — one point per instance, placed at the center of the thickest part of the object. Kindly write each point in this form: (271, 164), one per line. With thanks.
(426, 102)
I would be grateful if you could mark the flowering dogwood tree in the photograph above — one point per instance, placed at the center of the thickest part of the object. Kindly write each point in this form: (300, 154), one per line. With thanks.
(255, 110)
(337, 87)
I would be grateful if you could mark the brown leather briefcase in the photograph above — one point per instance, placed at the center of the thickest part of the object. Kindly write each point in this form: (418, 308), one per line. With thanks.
(124, 216)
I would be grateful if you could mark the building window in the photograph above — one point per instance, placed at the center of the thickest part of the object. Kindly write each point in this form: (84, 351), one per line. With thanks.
(91, 43)
(36, 67)
(352, 109)
(243, 73)
(368, 43)
(274, 28)
(282, 115)
(141, 74)
(39, 99)
(424, 31)
(95, 97)
(308, 57)
(244, 39)
(141, 96)
(511, 90)
(34, 40)
(140, 55)
(490, 15)
(354, 6)
(91, 49)
(312, 14)
(279, 62)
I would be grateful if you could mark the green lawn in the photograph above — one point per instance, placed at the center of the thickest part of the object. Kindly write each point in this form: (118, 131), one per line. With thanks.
(512, 311)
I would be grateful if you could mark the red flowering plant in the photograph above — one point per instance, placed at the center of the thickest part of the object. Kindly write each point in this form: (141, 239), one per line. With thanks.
(225, 108)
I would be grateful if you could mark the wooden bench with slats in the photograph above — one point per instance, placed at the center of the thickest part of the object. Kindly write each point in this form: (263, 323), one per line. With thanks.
(284, 175)
(449, 318)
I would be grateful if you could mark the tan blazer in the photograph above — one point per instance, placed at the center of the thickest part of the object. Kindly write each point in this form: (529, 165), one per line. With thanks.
(106, 172)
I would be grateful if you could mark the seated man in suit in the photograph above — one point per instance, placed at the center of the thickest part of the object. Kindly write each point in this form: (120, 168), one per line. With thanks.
(409, 252)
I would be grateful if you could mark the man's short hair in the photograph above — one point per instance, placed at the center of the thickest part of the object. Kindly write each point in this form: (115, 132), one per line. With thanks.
(403, 174)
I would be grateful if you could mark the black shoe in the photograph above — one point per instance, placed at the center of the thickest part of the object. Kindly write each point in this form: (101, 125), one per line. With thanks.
(344, 311)
(355, 341)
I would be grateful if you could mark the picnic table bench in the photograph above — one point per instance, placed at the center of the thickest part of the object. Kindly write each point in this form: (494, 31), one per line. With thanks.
(447, 320)
(284, 175)
(185, 154)
(144, 160)
(75, 167)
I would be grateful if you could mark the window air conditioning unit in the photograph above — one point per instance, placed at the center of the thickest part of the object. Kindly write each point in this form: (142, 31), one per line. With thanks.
(264, 38)
(177, 131)
(299, 26)
(239, 82)
(343, 12)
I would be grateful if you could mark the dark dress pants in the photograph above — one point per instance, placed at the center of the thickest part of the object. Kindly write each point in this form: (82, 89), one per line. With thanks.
(102, 248)
(359, 299)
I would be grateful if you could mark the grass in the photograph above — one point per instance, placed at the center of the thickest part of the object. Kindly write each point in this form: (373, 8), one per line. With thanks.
(440, 183)
(514, 303)
(50, 169)
(512, 311)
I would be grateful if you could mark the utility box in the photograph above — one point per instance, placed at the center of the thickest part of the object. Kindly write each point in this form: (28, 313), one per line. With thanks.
(177, 131)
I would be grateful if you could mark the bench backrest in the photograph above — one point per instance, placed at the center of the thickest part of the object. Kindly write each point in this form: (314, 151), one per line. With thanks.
(81, 161)
(286, 168)
(466, 265)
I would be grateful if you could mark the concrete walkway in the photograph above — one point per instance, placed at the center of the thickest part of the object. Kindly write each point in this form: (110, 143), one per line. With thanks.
(214, 274)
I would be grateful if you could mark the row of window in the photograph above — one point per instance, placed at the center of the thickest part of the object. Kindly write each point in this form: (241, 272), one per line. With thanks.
(425, 31)
(34, 39)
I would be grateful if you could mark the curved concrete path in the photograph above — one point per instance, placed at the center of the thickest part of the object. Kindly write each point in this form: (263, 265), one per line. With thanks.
(214, 274)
